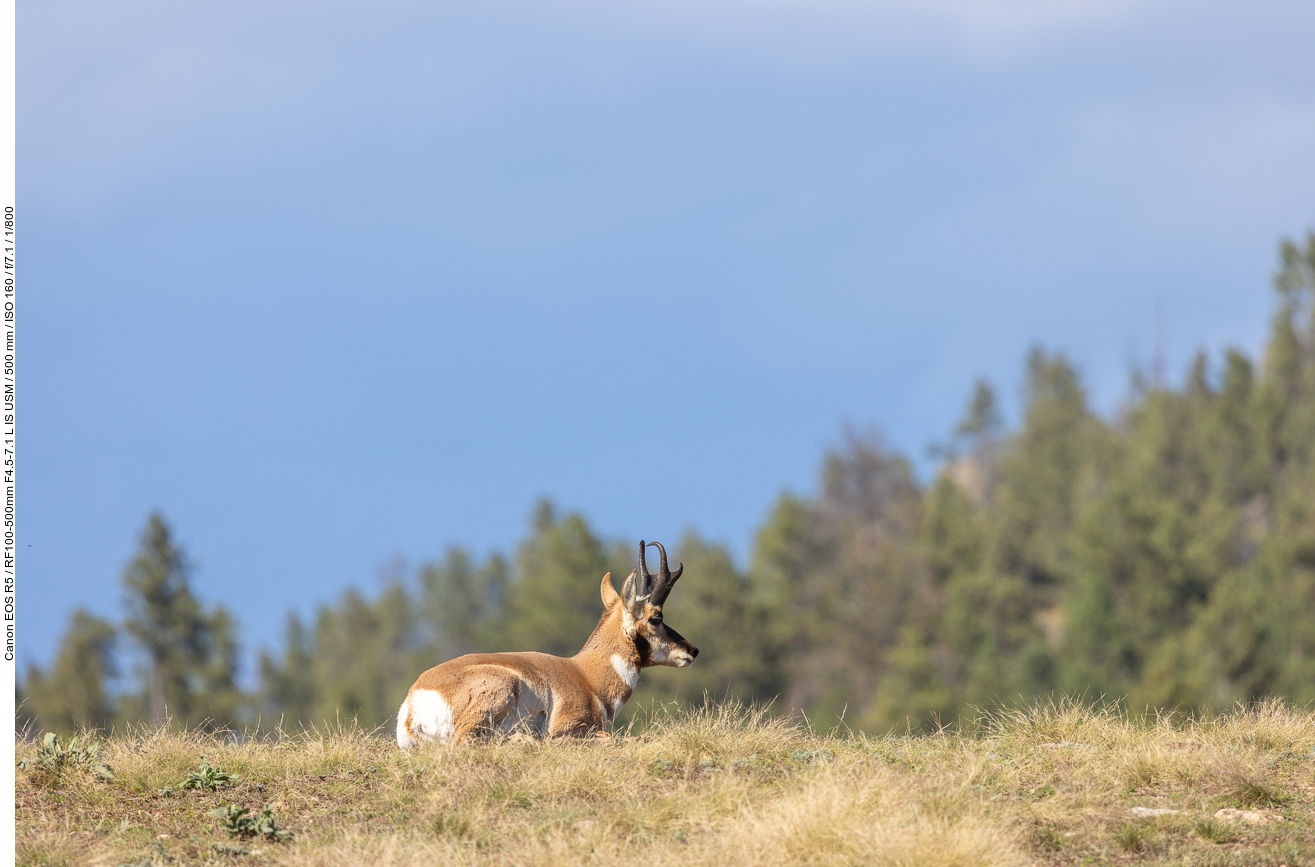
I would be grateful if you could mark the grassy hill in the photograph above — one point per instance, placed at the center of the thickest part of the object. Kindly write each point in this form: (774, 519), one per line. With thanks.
(1056, 784)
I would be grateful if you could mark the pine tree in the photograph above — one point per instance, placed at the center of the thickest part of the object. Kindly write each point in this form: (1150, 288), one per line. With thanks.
(288, 689)
(837, 574)
(553, 600)
(366, 655)
(74, 694)
(464, 604)
(191, 654)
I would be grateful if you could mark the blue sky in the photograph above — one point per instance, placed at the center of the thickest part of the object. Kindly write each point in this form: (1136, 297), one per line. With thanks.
(333, 285)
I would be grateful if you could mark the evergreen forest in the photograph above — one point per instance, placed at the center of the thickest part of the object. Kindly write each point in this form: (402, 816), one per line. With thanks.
(1163, 558)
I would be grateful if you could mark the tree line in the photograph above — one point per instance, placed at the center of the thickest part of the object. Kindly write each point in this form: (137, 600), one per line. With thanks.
(1164, 557)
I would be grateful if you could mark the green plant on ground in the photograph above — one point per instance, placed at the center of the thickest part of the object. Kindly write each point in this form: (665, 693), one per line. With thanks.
(235, 821)
(1215, 832)
(1252, 792)
(1132, 837)
(809, 757)
(449, 825)
(54, 758)
(208, 778)
(1048, 839)
(160, 857)
(226, 849)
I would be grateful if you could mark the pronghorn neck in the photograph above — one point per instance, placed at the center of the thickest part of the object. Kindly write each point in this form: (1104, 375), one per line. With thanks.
(614, 634)
(611, 660)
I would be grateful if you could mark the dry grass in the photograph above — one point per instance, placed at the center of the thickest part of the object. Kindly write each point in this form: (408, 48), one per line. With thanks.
(1054, 784)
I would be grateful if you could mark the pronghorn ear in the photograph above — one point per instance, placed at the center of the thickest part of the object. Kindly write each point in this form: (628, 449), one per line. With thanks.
(609, 593)
(628, 592)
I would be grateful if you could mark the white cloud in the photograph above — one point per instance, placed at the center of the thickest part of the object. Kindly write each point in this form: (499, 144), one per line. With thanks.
(992, 25)
(131, 95)
(972, 28)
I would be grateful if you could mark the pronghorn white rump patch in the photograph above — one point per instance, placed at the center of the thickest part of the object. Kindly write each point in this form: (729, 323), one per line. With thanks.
(404, 739)
(430, 718)
(625, 670)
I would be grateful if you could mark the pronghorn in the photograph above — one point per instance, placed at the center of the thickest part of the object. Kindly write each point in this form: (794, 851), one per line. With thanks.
(547, 695)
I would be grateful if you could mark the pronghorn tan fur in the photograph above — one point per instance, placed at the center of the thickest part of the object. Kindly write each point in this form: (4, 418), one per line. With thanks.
(550, 696)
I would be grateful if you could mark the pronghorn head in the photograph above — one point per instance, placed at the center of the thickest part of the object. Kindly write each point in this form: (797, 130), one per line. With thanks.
(641, 611)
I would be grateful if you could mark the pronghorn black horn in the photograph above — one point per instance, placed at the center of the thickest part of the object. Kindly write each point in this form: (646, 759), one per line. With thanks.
(666, 578)
(644, 586)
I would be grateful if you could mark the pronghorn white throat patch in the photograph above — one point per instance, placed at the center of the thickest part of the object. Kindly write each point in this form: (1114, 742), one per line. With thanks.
(625, 670)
